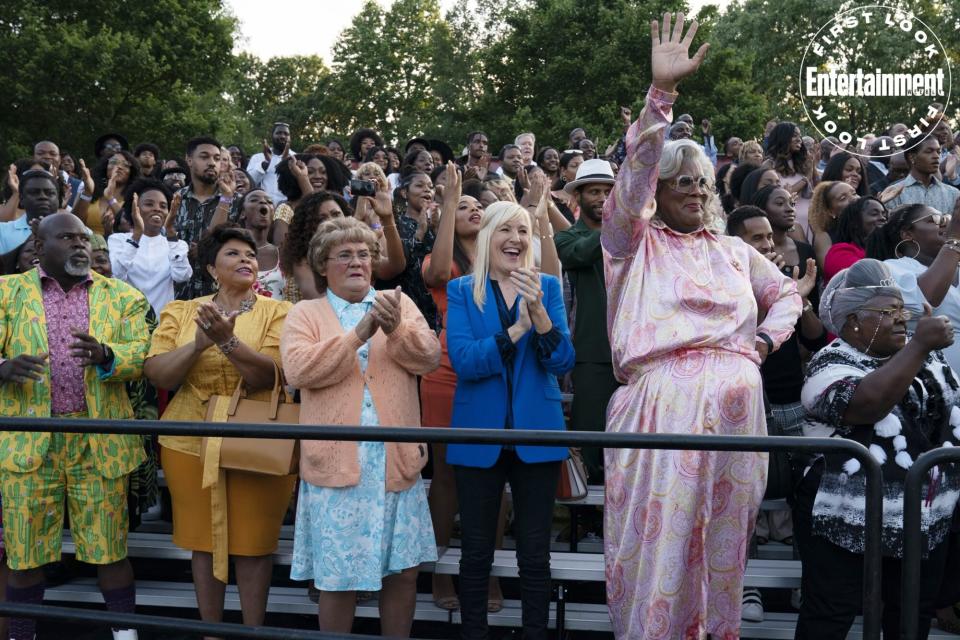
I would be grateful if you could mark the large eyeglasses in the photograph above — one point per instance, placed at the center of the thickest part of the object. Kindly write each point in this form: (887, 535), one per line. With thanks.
(347, 257)
(939, 219)
(893, 312)
(686, 184)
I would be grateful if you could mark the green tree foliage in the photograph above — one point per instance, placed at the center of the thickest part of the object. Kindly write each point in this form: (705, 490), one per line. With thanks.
(164, 71)
(151, 70)
(774, 35)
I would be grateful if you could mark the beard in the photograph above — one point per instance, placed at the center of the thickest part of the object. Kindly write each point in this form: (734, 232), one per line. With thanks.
(77, 267)
(206, 179)
(593, 213)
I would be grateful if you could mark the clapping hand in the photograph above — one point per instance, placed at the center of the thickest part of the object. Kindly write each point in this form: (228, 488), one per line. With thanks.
(13, 180)
(227, 183)
(169, 223)
(670, 61)
(386, 310)
(806, 284)
(216, 326)
(137, 218)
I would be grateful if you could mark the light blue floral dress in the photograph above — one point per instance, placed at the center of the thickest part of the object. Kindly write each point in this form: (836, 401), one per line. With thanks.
(350, 538)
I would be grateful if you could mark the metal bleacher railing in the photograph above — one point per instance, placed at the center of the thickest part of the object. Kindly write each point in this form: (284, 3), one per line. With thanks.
(913, 535)
(872, 557)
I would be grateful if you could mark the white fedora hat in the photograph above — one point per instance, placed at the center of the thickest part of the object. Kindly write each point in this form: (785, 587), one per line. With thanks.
(595, 170)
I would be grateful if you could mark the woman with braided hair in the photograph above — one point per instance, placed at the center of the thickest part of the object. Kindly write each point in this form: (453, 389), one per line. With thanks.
(921, 247)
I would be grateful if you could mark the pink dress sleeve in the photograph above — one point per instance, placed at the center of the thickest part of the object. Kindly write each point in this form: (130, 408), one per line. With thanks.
(627, 212)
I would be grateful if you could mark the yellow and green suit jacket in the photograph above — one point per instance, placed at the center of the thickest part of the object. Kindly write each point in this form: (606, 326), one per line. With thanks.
(118, 319)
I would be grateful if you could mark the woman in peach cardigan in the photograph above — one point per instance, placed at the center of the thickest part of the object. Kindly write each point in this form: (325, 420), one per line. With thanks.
(362, 518)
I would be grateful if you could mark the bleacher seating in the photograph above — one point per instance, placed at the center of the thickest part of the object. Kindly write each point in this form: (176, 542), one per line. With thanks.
(776, 569)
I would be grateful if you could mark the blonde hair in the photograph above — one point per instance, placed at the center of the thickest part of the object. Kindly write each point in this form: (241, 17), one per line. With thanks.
(748, 146)
(373, 172)
(819, 212)
(495, 215)
(333, 233)
(678, 152)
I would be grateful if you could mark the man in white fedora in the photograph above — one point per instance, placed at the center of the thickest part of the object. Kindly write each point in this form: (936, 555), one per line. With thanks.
(579, 250)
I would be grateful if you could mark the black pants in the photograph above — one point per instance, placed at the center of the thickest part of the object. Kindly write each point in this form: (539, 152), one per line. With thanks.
(534, 487)
(832, 582)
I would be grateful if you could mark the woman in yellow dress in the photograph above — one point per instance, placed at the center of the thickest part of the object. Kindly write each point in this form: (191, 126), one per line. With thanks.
(204, 347)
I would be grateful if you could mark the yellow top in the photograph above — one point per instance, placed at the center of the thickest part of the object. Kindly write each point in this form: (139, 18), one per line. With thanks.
(94, 218)
(212, 373)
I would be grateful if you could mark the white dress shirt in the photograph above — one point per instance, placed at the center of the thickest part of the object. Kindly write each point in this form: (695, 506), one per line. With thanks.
(152, 267)
(267, 180)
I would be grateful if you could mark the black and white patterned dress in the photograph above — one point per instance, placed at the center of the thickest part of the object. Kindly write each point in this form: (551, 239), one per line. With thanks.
(926, 418)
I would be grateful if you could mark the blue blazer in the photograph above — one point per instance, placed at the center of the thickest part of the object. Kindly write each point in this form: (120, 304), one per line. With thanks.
(480, 401)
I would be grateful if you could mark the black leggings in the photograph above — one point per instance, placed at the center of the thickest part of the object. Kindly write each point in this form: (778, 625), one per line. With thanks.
(533, 487)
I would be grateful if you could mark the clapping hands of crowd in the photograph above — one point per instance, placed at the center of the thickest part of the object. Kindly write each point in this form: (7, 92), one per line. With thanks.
(213, 326)
(478, 171)
(527, 282)
(106, 208)
(806, 284)
(88, 184)
(385, 314)
(13, 180)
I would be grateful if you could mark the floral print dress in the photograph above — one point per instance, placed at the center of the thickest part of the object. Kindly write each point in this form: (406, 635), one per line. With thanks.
(350, 538)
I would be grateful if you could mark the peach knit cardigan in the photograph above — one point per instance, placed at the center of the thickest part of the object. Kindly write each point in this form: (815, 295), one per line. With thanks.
(320, 359)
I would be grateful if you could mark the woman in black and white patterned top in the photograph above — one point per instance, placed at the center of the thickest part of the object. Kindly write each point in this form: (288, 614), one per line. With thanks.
(897, 396)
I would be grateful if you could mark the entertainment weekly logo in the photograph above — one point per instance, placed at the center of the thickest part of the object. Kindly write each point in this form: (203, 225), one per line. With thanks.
(835, 69)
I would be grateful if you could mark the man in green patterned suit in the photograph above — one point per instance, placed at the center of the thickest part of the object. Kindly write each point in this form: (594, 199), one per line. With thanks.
(69, 340)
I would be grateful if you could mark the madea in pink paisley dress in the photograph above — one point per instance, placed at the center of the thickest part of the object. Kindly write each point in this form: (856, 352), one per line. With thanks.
(682, 321)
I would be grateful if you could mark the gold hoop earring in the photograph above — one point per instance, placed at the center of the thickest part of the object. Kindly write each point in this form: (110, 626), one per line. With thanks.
(896, 249)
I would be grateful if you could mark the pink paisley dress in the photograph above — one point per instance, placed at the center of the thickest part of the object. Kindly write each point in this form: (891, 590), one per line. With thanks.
(682, 321)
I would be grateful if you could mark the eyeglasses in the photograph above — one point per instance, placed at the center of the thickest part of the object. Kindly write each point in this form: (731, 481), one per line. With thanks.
(905, 314)
(939, 219)
(346, 257)
(116, 146)
(686, 184)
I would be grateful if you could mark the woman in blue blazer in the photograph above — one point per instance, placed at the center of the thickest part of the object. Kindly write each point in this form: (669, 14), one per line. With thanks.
(508, 341)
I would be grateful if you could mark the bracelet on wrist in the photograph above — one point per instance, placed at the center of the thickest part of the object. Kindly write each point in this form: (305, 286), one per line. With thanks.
(112, 202)
(229, 346)
(767, 340)
(86, 198)
(953, 244)
(226, 199)
(807, 307)
(133, 242)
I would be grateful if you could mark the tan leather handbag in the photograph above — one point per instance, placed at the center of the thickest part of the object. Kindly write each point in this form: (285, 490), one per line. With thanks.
(274, 457)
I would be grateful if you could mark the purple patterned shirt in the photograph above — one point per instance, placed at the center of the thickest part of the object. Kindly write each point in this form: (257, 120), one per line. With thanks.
(65, 311)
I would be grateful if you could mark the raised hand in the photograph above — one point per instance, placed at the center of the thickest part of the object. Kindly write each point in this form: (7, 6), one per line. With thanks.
(453, 180)
(670, 56)
(13, 180)
(626, 116)
(110, 191)
(227, 183)
(297, 167)
(137, 218)
(890, 193)
(933, 332)
(267, 153)
(523, 179)
(88, 185)
(286, 150)
(806, 284)
(169, 223)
